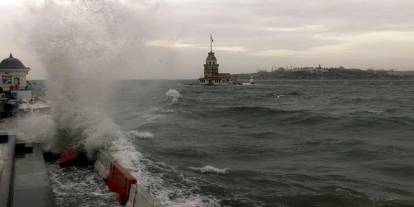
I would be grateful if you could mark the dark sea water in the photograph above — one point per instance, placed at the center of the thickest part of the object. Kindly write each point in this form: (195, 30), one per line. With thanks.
(276, 143)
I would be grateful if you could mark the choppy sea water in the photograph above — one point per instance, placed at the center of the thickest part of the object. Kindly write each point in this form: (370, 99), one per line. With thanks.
(79, 186)
(276, 143)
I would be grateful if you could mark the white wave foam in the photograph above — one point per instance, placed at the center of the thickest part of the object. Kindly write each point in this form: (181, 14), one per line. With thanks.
(84, 128)
(125, 153)
(209, 169)
(92, 131)
(79, 187)
(141, 135)
(151, 115)
(375, 111)
(173, 94)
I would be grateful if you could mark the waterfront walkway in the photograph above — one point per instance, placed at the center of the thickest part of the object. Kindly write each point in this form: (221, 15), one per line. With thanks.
(23, 175)
(31, 181)
(6, 168)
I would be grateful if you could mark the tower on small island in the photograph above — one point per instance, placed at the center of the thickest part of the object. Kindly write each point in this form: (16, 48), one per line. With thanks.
(211, 72)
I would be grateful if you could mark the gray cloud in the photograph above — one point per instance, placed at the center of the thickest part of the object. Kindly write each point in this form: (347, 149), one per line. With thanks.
(170, 37)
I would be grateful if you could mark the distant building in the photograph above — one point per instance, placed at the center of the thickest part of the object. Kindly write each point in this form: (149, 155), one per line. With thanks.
(211, 70)
(13, 74)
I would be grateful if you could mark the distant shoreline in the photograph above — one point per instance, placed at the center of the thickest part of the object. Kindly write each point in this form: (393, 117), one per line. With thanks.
(330, 79)
(309, 73)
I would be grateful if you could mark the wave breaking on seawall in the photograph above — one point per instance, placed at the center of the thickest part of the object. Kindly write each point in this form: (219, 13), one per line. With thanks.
(79, 101)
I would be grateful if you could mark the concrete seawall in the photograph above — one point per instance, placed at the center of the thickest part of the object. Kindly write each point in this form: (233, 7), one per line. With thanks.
(138, 196)
(7, 146)
(24, 179)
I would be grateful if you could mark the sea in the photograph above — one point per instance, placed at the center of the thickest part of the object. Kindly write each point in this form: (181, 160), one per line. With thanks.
(275, 143)
(281, 143)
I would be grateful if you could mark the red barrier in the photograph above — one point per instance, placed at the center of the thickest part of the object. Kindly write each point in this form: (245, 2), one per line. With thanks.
(120, 181)
(68, 157)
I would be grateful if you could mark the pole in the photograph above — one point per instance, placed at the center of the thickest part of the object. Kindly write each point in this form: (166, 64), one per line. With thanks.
(211, 42)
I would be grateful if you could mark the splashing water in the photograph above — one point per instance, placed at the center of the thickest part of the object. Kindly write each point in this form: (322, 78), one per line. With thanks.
(81, 187)
(81, 44)
(173, 94)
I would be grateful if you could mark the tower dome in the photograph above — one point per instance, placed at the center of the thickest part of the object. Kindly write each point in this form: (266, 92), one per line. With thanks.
(12, 63)
(211, 57)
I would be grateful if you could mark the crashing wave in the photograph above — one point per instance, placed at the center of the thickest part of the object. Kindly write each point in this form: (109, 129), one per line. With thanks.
(78, 117)
(126, 154)
(173, 94)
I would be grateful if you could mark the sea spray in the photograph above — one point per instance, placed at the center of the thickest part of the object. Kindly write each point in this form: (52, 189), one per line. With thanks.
(36, 128)
(32, 128)
(82, 45)
(173, 94)
(79, 44)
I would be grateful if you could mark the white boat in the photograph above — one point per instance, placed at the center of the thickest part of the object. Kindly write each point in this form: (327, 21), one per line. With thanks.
(35, 105)
(251, 81)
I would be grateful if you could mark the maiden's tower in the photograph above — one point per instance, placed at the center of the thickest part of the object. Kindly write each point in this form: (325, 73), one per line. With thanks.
(211, 72)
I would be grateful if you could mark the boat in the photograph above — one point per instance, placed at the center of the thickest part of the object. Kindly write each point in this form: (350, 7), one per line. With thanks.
(34, 105)
(251, 81)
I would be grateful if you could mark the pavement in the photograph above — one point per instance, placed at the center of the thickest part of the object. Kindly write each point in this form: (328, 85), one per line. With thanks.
(6, 169)
(31, 181)
(2, 157)
(3, 152)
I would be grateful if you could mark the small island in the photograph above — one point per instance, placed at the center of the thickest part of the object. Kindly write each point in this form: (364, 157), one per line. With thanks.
(331, 73)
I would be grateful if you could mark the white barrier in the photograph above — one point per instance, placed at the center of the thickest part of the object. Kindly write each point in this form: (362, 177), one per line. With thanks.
(138, 196)
(103, 163)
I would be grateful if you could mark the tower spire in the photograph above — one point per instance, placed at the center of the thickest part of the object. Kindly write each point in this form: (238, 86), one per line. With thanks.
(211, 42)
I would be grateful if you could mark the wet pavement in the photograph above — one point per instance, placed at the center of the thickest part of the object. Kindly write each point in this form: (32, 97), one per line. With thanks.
(31, 182)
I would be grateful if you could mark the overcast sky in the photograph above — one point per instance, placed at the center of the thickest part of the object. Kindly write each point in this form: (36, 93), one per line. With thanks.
(172, 36)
